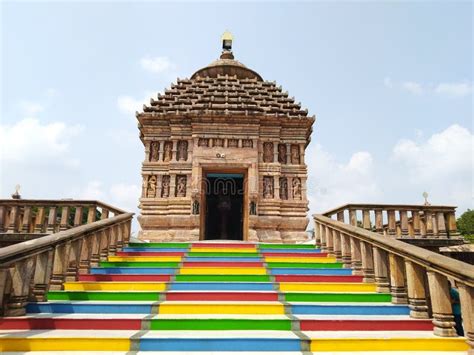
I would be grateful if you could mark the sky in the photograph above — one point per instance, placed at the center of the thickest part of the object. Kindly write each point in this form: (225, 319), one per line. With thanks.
(390, 84)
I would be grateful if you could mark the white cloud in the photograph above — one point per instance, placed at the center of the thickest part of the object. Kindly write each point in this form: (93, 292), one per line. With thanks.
(454, 89)
(30, 108)
(387, 81)
(413, 87)
(157, 65)
(129, 105)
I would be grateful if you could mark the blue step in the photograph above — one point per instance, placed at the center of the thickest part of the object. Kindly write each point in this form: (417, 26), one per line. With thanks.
(155, 249)
(350, 309)
(66, 307)
(132, 270)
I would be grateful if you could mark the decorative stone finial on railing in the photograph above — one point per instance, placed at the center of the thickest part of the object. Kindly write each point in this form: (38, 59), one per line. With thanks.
(16, 195)
(425, 196)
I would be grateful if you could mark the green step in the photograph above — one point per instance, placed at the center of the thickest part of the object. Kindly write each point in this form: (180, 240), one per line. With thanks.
(220, 324)
(161, 264)
(220, 254)
(228, 278)
(286, 246)
(103, 296)
(159, 245)
(337, 297)
(305, 265)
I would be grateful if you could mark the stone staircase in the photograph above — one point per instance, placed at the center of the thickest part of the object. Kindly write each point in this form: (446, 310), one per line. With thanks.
(219, 297)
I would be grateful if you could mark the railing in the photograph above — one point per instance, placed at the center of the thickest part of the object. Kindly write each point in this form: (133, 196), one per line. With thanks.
(50, 216)
(413, 275)
(29, 269)
(418, 221)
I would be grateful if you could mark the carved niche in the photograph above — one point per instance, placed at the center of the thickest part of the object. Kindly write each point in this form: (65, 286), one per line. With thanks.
(296, 188)
(154, 151)
(218, 142)
(282, 153)
(181, 181)
(203, 142)
(268, 152)
(247, 143)
(182, 153)
(168, 151)
(232, 143)
(268, 187)
(295, 154)
(283, 188)
(151, 187)
(165, 186)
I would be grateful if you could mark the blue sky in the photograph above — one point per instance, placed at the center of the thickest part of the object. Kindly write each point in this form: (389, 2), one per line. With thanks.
(390, 84)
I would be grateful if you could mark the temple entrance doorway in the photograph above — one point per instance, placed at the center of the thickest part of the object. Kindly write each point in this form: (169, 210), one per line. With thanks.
(224, 206)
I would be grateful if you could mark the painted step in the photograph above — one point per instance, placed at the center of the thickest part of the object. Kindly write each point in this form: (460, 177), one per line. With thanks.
(222, 271)
(302, 253)
(162, 264)
(296, 308)
(318, 278)
(132, 270)
(145, 258)
(151, 253)
(305, 260)
(223, 264)
(327, 287)
(223, 278)
(337, 297)
(223, 259)
(224, 245)
(223, 250)
(169, 307)
(228, 254)
(123, 278)
(158, 250)
(114, 286)
(305, 265)
(309, 271)
(285, 246)
(159, 245)
(292, 251)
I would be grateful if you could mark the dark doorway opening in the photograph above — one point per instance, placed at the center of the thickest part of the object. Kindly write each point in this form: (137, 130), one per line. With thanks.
(224, 206)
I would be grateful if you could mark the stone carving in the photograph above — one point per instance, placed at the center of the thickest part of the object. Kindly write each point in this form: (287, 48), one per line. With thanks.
(168, 151)
(295, 154)
(247, 143)
(182, 153)
(268, 152)
(151, 187)
(196, 207)
(203, 142)
(165, 186)
(218, 142)
(144, 186)
(181, 185)
(253, 208)
(268, 187)
(283, 188)
(154, 151)
(232, 143)
(297, 188)
(282, 153)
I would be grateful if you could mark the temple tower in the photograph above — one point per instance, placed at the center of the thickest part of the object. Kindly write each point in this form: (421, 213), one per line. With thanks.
(224, 158)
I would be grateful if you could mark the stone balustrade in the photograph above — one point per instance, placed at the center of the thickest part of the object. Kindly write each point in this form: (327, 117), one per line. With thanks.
(50, 216)
(29, 269)
(413, 275)
(415, 221)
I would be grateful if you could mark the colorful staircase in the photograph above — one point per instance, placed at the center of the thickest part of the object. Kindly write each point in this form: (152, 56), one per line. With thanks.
(220, 297)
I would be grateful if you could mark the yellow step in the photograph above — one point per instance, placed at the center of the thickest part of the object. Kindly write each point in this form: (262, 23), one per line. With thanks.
(217, 308)
(327, 287)
(64, 344)
(114, 286)
(145, 258)
(223, 250)
(284, 259)
(223, 271)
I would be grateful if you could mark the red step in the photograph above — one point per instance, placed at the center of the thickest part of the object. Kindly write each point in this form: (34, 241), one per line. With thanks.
(124, 277)
(346, 324)
(296, 255)
(222, 264)
(150, 253)
(221, 296)
(64, 323)
(318, 278)
(223, 245)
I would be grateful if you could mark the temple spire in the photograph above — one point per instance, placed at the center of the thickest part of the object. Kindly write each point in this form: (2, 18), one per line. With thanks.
(227, 39)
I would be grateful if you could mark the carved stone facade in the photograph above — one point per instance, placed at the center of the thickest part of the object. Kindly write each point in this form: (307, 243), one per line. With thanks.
(224, 121)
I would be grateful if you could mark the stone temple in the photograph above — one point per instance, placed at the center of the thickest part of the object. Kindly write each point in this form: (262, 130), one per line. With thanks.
(224, 158)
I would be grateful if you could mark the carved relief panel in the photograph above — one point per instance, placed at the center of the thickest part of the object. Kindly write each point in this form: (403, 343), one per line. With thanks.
(283, 188)
(151, 187)
(268, 187)
(282, 153)
(182, 153)
(165, 186)
(154, 151)
(295, 154)
(203, 142)
(167, 151)
(247, 143)
(233, 143)
(218, 142)
(296, 188)
(181, 181)
(268, 152)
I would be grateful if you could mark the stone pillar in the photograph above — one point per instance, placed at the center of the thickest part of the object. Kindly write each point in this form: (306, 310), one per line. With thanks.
(353, 217)
(275, 152)
(91, 214)
(39, 220)
(404, 222)
(288, 153)
(336, 236)
(52, 220)
(367, 262)
(85, 255)
(104, 214)
(466, 296)
(25, 226)
(429, 223)
(452, 228)
(391, 222)
(60, 263)
(3, 216)
(346, 250)
(416, 290)
(322, 232)
(443, 319)
(415, 216)
(13, 220)
(42, 274)
(434, 220)
(379, 221)
(441, 225)
(366, 219)
(147, 151)
(356, 257)
(381, 270)
(64, 218)
(423, 232)
(302, 154)
(78, 216)
(397, 280)
(329, 241)
(340, 216)
(174, 151)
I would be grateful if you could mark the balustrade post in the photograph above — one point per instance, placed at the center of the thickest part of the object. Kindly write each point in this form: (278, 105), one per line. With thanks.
(85, 257)
(416, 290)
(4, 287)
(452, 227)
(51, 220)
(104, 236)
(43, 268)
(346, 250)
(78, 216)
(423, 232)
(3, 214)
(356, 257)
(466, 296)
(337, 245)
(39, 221)
(429, 223)
(64, 218)
(353, 217)
(378, 221)
(381, 270)
(415, 216)
(60, 264)
(20, 273)
(323, 238)
(127, 232)
(367, 262)
(366, 220)
(317, 235)
(105, 213)
(434, 220)
(441, 224)
(397, 279)
(74, 260)
(114, 231)
(340, 216)
(443, 319)
(391, 222)
(329, 241)
(13, 220)
(91, 214)
(26, 223)
(95, 250)
(404, 222)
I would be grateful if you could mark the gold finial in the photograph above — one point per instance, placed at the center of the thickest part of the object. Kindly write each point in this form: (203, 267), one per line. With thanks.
(227, 41)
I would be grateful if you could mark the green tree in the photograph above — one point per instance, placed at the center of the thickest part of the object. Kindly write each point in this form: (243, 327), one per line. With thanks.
(465, 224)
